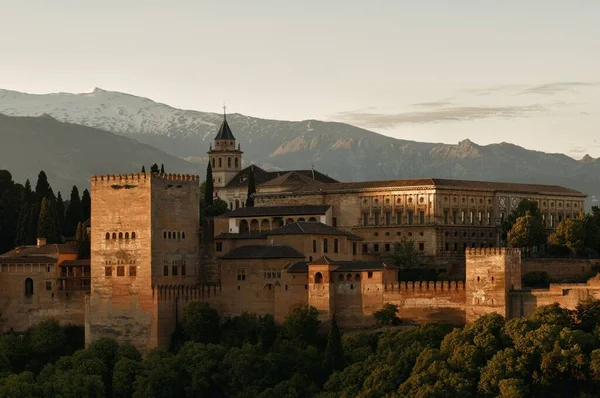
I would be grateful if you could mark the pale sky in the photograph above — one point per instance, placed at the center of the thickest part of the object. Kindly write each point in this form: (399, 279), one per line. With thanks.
(526, 72)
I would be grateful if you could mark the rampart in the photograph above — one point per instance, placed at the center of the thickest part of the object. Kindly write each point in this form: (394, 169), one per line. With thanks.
(111, 178)
(560, 269)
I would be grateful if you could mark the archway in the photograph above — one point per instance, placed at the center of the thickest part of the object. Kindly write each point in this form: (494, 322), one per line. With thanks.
(254, 225)
(289, 221)
(318, 278)
(244, 228)
(312, 219)
(265, 225)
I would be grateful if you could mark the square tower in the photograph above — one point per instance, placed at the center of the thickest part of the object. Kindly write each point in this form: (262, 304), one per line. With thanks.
(225, 159)
(144, 233)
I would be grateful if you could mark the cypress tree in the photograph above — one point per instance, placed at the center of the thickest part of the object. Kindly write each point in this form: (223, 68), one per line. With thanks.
(86, 204)
(209, 189)
(28, 193)
(143, 169)
(42, 187)
(334, 353)
(47, 223)
(42, 229)
(251, 188)
(32, 224)
(22, 225)
(162, 168)
(74, 213)
(55, 232)
(154, 168)
(60, 212)
(83, 242)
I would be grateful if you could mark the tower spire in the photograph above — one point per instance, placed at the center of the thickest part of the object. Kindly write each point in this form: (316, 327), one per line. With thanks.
(224, 111)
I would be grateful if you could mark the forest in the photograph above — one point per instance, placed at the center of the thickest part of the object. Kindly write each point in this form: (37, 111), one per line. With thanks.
(554, 352)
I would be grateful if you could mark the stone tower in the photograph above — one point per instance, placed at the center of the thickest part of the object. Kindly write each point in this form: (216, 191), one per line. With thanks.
(491, 274)
(144, 234)
(225, 158)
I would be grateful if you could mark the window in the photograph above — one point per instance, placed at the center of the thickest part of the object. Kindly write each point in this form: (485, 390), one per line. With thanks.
(370, 274)
(365, 219)
(318, 278)
(107, 271)
(120, 235)
(410, 217)
(166, 270)
(365, 248)
(183, 270)
(357, 277)
(376, 218)
(126, 235)
(214, 164)
(489, 218)
(354, 248)
(236, 162)
(219, 246)
(421, 217)
(471, 221)
(314, 246)
(479, 217)
(178, 235)
(387, 247)
(107, 236)
(447, 246)
(114, 235)
(445, 216)
(132, 270)
(133, 235)
(220, 163)
(462, 217)
(169, 235)
(325, 245)
(376, 247)
(48, 285)
(421, 246)
(228, 162)
(182, 235)
(501, 218)
(29, 287)
(399, 218)
(388, 218)
(120, 270)
(455, 217)
(174, 270)
(241, 274)
(455, 246)
(335, 246)
(165, 235)
(341, 278)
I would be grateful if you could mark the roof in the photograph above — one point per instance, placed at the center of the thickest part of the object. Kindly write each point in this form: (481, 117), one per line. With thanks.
(289, 178)
(262, 176)
(344, 266)
(231, 235)
(263, 211)
(439, 183)
(224, 132)
(75, 263)
(300, 267)
(48, 249)
(28, 259)
(310, 228)
(263, 251)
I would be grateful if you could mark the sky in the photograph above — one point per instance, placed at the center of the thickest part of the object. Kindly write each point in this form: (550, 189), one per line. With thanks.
(526, 72)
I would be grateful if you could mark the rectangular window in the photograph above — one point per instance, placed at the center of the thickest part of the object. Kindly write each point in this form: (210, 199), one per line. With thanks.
(421, 217)
(365, 248)
(219, 246)
(48, 285)
(387, 247)
(422, 246)
(455, 246)
(314, 246)
(335, 246)
(445, 216)
(120, 270)
(399, 218)
(455, 217)
(471, 220)
(370, 274)
(462, 217)
(174, 270)
(501, 218)
(410, 218)
(241, 274)
(354, 248)
(132, 271)
(334, 222)
(166, 270)
(107, 271)
(325, 245)
(552, 220)
(489, 218)
(376, 218)
(365, 219)
(480, 217)
(183, 270)
(376, 247)
(447, 246)
(388, 218)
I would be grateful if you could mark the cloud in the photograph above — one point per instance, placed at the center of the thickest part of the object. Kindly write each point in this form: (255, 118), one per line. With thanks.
(434, 104)
(381, 120)
(536, 89)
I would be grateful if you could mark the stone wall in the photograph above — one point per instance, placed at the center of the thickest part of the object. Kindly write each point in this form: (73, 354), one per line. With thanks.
(560, 268)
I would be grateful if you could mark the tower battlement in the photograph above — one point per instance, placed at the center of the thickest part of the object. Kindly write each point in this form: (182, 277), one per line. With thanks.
(137, 177)
(492, 251)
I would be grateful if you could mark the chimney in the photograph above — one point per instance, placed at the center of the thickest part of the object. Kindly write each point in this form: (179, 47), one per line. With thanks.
(41, 242)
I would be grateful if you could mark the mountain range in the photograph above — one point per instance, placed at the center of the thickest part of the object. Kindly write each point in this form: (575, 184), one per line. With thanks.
(181, 138)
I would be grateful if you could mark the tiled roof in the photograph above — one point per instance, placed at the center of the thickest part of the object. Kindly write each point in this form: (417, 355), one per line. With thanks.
(48, 249)
(344, 266)
(300, 267)
(262, 176)
(27, 260)
(310, 228)
(263, 251)
(231, 235)
(436, 183)
(224, 132)
(264, 211)
(75, 263)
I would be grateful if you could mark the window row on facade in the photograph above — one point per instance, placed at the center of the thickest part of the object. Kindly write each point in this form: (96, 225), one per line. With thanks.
(219, 161)
(120, 235)
(109, 271)
(177, 235)
(176, 268)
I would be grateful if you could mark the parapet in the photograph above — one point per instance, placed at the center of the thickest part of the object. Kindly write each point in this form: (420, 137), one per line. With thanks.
(139, 177)
(425, 287)
(492, 251)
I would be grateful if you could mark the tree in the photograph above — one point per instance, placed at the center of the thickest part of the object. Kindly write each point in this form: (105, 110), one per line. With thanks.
(524, 206)
(86, 205)
(83, 242)
(22, 225)
(42, 187)
(251, 188)
(162, 168)
(406, 254)
(32, 223)
(218, 207)
(143, 169)
(302, 325)
(47, 223)
(154, 168)
(587, 313)
(74, 213)
(201, 323)
(388, 315)
(577, 234)
(334, 353)
(60, 211)
(208, 189)
(527, 232)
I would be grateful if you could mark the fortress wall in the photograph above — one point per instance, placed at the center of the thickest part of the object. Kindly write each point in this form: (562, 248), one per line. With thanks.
(560, 268)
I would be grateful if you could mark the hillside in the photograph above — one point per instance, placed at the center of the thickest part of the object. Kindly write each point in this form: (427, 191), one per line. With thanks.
(340, 150)
(70, 154)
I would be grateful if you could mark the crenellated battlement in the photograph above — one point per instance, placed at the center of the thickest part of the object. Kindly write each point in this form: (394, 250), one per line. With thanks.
(140, 177)
(425, 287)
(198, 291)
(492, 251)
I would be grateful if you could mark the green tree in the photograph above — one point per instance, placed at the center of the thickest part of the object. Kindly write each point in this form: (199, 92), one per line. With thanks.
(42, 187)
(86, 205)
(524, 206)
(208, 189)
(527, 232)
(218, 207)
(154, 168)
(22, 225)
(587, 313)
(334, 353)
(74, 214)
(60, 211)
(201, 323)
(162, 168)
(32, 223)
(251, 188)
(388, 315)
(406, 254)
(302, 325)
(48, 223)
(143, 169)
(123, 378)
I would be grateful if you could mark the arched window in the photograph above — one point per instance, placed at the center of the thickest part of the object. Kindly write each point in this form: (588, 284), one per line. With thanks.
(230, 205)
(178, 235)
(341, 277)
(236, 163)
(220, 163)
(183, 235)
(164, 234)
(301, 219)
(133, 235)
(126, 235)
(169, 234)
(228, 162)
(120, 235)
(173, 234)
(265, 225)
(349, 277)
(312, 219)
(289, 221)
(114, 235)
(357, 277)
(237, 204)
(214, 164)
(254, 226)
(318, 278)
(244, 228)
(107, 235)
(29, 287)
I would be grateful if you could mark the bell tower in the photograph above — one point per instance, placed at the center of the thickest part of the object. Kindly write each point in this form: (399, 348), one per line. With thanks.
(225, 158)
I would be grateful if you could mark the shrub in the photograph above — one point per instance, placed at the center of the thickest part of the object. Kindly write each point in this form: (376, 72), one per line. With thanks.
(387, 315)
